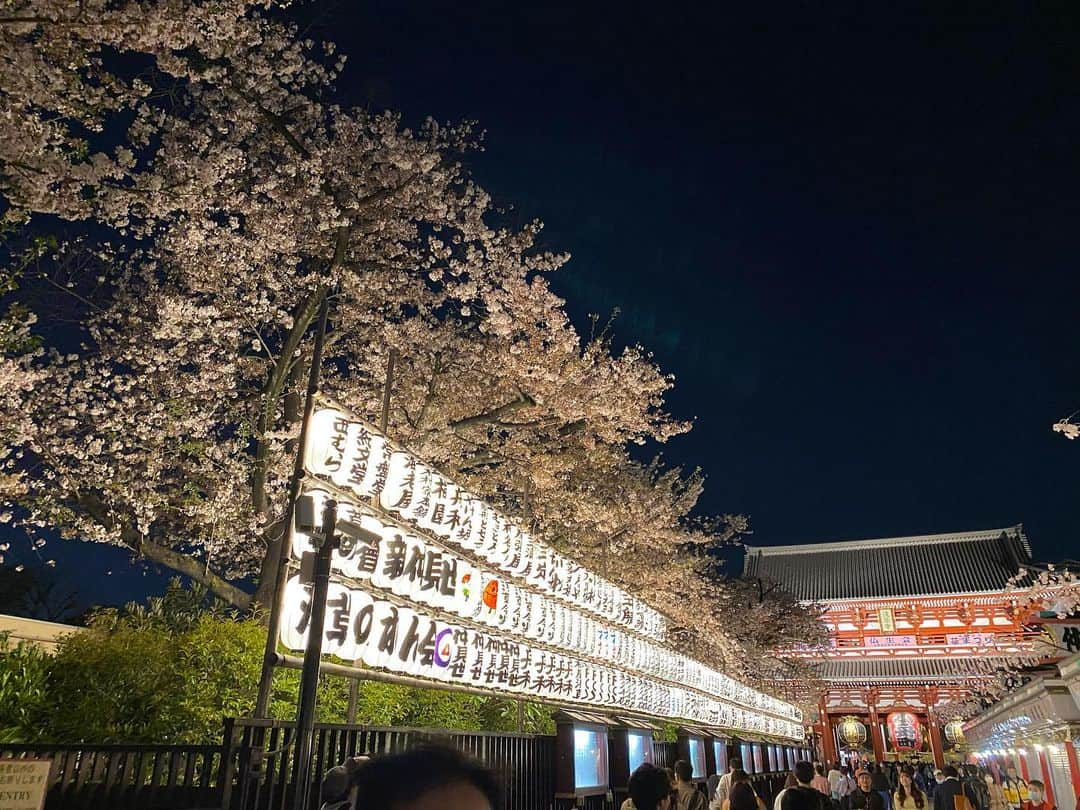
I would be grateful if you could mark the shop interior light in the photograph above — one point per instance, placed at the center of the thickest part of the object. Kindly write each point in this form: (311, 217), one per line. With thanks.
(1038, 747)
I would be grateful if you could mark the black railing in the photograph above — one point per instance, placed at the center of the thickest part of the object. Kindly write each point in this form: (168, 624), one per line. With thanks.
(101, 777)
(253, 768)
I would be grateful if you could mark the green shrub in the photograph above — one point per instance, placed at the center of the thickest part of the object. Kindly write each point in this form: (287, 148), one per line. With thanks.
(172, 671)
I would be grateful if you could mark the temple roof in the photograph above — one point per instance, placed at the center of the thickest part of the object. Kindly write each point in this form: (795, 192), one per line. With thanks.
(908, 670)
(924, 565)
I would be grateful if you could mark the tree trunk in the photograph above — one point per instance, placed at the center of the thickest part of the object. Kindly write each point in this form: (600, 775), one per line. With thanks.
(184, 564)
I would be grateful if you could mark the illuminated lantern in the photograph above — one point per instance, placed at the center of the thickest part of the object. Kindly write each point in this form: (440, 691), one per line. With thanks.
(293, 624)
(363, 560)
(444, 652)
(852, 732)
(398, 489)
(905, 730)
(384, 631)
(466, 597)
(954, 732)
(327, 442)
(362, 631)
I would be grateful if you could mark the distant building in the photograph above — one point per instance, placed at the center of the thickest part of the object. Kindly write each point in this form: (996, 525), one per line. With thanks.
(35, 631)
(914, 623)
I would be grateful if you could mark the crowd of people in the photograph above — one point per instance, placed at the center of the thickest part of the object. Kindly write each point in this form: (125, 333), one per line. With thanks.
(443, 779)
(887, 786)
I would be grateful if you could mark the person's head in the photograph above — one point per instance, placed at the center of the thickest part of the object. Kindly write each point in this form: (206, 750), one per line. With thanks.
(820, 769)
(740, 776)
(949, 772)
(650, 788)
(424, 778)
(804, 772)
(1037, 791)
(742, 795)
(735, 764)
(1011, 771)
(683, 772)
(906, 780)
(939, 775)
(864, 781)
(804, 799)
(988, 778)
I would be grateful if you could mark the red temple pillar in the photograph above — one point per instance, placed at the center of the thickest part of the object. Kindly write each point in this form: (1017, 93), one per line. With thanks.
(936, 747)
(875, 727)
(1074, 766)
(828, 744)
(929, 697)
(1047, 779)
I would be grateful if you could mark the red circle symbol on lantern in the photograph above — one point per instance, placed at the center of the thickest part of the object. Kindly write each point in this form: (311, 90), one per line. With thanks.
(905, 730)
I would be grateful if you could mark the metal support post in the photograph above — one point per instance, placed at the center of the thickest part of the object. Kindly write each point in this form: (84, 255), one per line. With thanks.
(309, 679)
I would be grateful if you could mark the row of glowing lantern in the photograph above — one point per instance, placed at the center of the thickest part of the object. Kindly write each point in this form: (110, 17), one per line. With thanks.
(360, 626)
(421, 571)
(356, 457)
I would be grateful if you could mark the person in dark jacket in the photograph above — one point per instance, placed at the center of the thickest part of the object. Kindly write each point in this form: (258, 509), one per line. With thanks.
(879, 781)
(864, 797)
(948, 790)
(804, 796)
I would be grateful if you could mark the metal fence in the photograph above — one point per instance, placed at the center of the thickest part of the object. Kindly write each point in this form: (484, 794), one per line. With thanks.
(154, 777)
(252, 768)
(263, 760)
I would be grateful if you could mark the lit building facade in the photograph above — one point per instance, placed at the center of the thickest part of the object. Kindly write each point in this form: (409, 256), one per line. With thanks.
(914, 624)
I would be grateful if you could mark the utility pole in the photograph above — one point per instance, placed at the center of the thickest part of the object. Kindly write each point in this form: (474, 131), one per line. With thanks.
(309, 679)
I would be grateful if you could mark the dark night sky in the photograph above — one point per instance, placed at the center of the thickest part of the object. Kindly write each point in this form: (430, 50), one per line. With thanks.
(850, 233)
(852, 237)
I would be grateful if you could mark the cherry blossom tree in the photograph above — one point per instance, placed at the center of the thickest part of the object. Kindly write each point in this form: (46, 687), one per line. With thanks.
(181, 193)
(1067, 427)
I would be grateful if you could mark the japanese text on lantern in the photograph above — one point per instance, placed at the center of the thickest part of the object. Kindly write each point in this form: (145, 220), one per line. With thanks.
(441, 587)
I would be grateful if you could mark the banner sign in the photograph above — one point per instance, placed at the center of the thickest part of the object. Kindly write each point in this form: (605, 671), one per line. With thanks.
(891, 641)
(970, 639)
(546, 626)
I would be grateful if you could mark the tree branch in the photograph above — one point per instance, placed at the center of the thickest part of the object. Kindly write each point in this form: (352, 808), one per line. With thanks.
(185, 564)
(191, 567)
(271, 393)
(522, 400)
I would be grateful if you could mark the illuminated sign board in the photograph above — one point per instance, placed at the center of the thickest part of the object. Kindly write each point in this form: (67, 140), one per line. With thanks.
(440, 587)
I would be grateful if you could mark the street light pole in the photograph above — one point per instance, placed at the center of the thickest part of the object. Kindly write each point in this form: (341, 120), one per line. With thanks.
(309, 679)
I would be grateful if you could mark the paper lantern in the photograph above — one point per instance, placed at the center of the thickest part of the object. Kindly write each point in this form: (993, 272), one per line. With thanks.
(852, 732)
(398, 491)
(954, 732)
(905, 731)
(327, 442)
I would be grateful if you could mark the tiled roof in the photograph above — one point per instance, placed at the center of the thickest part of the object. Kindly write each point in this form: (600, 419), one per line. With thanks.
(926, 565)
(908, 670)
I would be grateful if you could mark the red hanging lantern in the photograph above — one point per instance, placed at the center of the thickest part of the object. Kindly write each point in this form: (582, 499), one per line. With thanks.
(905, 730)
